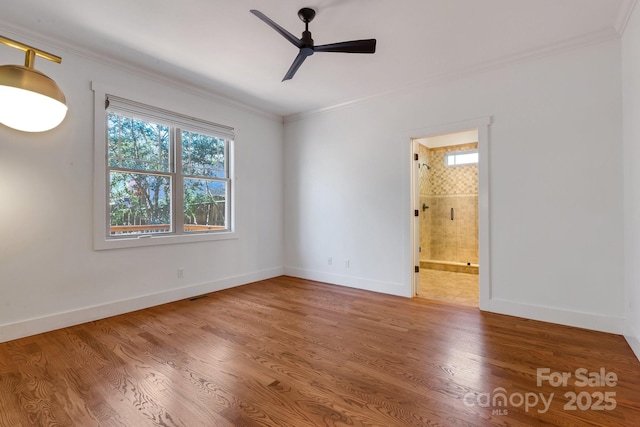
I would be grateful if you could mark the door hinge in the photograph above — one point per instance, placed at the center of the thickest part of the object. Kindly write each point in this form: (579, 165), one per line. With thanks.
(416, 269)
(415, 156)
(416, 213)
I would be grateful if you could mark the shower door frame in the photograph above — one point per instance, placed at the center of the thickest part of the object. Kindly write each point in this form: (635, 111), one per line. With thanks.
(482, 125)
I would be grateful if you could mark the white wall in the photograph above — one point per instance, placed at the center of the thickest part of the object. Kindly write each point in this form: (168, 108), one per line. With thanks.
(631, 150)
(49, 275)
(555, 186)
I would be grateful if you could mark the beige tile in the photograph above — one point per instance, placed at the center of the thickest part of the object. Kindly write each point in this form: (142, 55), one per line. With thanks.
(458, 288)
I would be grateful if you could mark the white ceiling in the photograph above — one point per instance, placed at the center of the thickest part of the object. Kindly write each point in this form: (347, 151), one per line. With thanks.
(219, 47)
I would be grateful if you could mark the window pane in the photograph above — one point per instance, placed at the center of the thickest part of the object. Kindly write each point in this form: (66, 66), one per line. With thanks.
(205, 203)
(461, 158)
(139, 203)
(203, 155)
(137, 144)
(466, 159)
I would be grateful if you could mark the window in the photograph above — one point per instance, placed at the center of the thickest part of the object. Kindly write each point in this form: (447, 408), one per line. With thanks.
(167, 177)
(457, 158)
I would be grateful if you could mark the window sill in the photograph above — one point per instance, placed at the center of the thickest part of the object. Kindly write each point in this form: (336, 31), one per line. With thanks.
(100, 244)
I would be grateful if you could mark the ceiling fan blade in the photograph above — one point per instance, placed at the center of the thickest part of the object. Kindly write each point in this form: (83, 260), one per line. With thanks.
(284, 33)
(355, 46)
(302, 55)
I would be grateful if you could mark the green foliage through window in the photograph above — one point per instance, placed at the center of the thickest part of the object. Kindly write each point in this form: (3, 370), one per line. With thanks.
(164, 179)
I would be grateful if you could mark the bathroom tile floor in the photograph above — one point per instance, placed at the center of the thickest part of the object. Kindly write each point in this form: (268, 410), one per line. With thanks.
(457, 288)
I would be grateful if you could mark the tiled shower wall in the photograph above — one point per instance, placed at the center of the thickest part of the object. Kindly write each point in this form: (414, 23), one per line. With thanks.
(441, 189)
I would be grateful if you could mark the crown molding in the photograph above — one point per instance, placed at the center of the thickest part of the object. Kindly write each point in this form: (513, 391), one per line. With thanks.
(626, 9)
(39, 39)
(606, 34)
(595, 37)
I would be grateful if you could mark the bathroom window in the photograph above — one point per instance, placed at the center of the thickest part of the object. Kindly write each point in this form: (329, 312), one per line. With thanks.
(458, 158)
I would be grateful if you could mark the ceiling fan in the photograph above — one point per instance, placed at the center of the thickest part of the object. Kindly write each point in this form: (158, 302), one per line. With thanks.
(305, 44)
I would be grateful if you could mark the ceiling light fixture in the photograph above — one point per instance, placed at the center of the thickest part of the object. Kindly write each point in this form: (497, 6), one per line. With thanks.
(29, 100)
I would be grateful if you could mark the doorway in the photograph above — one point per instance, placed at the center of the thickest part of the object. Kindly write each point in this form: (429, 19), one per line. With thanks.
(448, 224)
(468, 263)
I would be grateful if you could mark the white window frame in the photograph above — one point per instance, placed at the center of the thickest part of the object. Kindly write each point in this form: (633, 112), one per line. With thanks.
(102, 240)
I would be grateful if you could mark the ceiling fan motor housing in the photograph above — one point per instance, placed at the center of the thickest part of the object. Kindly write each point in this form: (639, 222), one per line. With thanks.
(306, 41)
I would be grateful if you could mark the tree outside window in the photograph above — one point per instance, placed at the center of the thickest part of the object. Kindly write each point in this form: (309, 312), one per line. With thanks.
(154, 168)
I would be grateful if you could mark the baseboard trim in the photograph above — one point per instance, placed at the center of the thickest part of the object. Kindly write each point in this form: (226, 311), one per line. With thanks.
(633, 338)
(577, 319)
(634, 343)
(55, 321)
(595, 322)
(398, 289)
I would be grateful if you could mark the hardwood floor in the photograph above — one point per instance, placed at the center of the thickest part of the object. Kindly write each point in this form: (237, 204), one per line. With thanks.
(291, 352)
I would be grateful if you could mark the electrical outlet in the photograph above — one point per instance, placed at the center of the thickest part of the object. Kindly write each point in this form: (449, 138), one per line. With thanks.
(180, 273)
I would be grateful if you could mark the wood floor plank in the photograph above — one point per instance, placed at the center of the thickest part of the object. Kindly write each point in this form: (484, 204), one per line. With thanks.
(293, 352)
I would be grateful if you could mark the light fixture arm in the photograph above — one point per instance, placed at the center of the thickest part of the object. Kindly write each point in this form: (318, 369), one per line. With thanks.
(30, 52)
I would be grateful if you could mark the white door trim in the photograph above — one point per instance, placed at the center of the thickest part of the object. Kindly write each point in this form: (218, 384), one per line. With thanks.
(482, 125)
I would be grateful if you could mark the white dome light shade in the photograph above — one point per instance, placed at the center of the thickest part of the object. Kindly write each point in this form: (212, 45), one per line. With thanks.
(29, 100)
